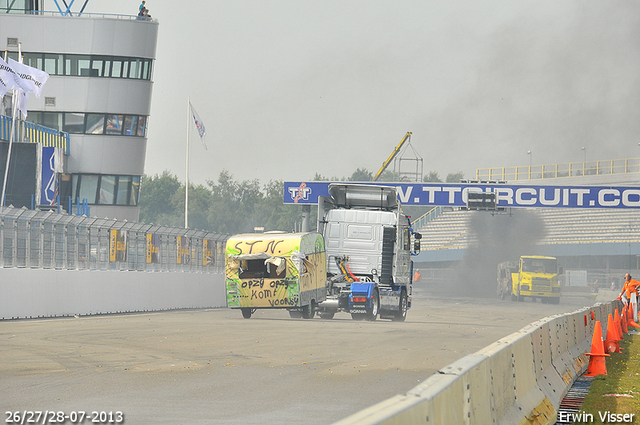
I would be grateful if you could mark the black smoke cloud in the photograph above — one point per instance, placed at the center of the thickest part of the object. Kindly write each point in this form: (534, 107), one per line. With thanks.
(495, 238)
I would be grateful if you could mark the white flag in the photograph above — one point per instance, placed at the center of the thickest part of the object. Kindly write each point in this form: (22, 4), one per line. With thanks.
(22, 104)
(9, 80)
(3, 87)
(32, 78)
(199, 124)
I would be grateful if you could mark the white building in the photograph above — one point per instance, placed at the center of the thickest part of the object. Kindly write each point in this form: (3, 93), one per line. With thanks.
(99, 91)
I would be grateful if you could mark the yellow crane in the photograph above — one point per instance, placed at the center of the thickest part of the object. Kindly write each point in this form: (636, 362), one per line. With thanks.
(393, 155)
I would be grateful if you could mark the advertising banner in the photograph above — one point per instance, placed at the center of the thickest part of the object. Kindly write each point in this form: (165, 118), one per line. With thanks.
(153, 248)
(118, 245)
(456, 194)
(183, 250)
(207, 252)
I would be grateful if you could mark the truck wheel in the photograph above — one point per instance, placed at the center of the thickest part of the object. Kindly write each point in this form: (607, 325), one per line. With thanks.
(308, 311)
(246, 313)
(328, 315)
(372, 313)
(401, 315)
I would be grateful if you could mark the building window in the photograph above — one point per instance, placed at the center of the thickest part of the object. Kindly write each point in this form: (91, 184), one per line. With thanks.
(88, 187)
(95, 124)
(135, 191)
(124, 186)
(130, 125)
(53, 64)
(73, 122)
(100, 66)
(142, 126)
(106, 189)
(33, 60)
(114, 124)
(88, 65)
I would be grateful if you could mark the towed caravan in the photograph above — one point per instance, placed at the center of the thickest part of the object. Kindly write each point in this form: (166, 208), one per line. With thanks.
(276, 270)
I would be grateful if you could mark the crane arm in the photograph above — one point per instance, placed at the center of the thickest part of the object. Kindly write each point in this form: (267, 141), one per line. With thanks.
(393, 155)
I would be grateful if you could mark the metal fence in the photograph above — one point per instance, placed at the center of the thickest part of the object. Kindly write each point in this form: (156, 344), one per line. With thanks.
(49, 240)
(554, 171)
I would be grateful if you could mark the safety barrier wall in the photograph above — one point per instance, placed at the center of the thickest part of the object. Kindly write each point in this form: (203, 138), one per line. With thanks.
(520, 379)
(55, 264)
(32, 293)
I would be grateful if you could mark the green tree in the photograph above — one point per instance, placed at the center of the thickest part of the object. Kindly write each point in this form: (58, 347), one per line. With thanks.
(387, 176)
(361, 175)
(233, 204)
(158, 197)
(455, 177)
(272, 213)
(432, 177)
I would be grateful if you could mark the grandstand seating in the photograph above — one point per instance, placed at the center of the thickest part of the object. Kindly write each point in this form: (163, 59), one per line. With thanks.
(563, 226)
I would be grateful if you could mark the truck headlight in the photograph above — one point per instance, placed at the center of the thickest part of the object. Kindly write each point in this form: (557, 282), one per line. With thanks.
(525, 287)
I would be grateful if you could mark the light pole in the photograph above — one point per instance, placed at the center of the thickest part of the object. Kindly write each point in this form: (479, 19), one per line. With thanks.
(529, 153)
(585, 153)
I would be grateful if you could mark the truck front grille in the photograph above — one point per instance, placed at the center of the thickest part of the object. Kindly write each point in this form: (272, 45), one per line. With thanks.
(540, 285)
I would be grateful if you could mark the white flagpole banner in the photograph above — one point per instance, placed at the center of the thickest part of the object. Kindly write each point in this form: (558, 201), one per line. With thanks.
(9, 80)
(4, 88)
(32, 78)
(199, 124)
(22, 104)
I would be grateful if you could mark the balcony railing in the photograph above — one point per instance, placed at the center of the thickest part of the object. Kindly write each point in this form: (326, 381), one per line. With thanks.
(28, 132)
(554, 171)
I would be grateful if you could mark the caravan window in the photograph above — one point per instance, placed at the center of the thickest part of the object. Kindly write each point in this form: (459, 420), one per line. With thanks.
(253, 269)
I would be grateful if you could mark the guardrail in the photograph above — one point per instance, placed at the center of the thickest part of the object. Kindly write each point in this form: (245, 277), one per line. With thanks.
(422, 221)
(29, 132)
(51, 240)
(73, 14)
(521, 378)
(554, 171)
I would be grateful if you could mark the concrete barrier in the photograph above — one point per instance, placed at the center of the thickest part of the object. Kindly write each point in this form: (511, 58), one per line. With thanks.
(28, 293)
(519, 379)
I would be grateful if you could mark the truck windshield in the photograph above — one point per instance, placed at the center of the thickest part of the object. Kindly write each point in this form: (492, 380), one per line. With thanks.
(539, 265)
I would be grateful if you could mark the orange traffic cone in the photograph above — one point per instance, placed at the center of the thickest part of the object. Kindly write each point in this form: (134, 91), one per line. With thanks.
(616, 322)
(612, 342)
(597, 363)
(630, 320)
(623, 321)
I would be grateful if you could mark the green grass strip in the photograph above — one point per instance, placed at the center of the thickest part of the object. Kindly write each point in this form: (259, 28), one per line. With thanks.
(618, 392)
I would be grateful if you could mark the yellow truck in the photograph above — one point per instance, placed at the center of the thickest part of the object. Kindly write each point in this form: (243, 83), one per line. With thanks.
(276, 270)
(532, 276)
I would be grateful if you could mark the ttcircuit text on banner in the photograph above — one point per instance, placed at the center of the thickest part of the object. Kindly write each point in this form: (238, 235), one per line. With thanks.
(456, 194)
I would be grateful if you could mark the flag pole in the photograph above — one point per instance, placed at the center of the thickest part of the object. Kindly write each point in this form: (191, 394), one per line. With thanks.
(186, 187)
(12, 135)
(14, 104)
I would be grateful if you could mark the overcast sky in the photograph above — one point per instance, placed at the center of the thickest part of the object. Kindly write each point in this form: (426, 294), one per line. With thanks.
(289, 88)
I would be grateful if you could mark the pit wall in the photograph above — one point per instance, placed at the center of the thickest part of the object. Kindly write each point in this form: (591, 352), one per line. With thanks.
(520, 379)
(30, 293)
